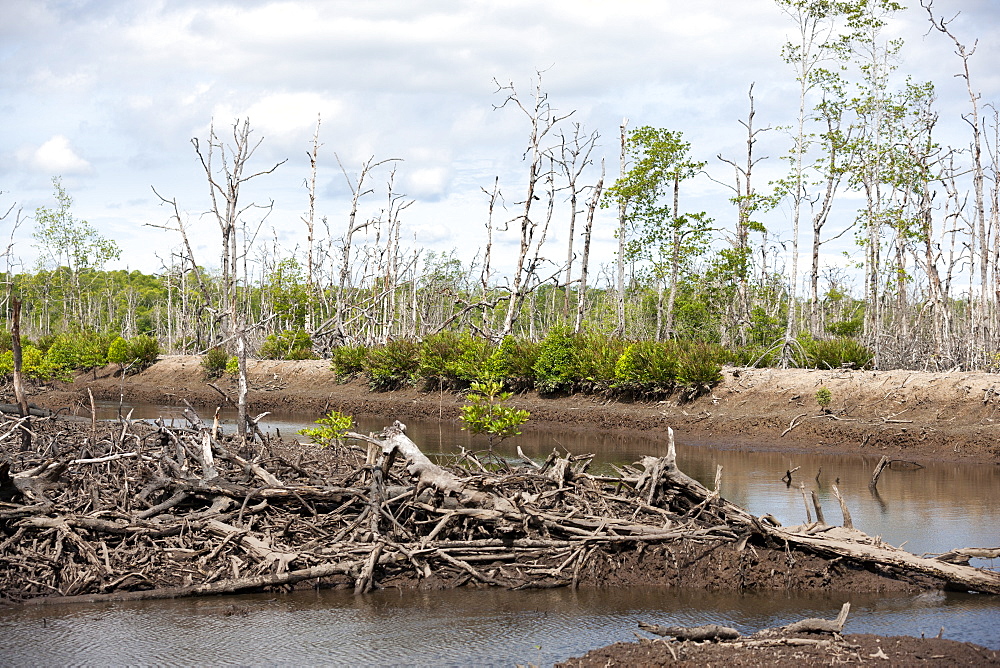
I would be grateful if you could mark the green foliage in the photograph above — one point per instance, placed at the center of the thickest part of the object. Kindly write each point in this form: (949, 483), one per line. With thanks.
(233, 365)
(449, 360)
(837, 353)
(393, 365)
(119, 353)
(348, 361)
(485, 412)
(78, 351)
(844, 328)
(136, 354)
(765, 329)
(331, 430)
(34, 365)
(145, 350)
(699, 368)
(823, 397)
(67, 241)
(556, 368)
(648, 368)
(214, 363)
(290, 344)
(597, 355)
(513, 360)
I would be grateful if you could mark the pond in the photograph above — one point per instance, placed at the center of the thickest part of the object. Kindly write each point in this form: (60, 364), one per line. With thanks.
(929, 510)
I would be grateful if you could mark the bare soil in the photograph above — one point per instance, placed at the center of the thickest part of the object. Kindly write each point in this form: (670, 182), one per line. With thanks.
(859, 649)
(922, 416)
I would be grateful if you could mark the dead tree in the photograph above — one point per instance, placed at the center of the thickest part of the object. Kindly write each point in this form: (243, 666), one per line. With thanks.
(574, 157)
(592, 205)
(542, 119)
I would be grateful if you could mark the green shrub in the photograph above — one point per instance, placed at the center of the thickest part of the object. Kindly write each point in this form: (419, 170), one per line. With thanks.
(393, 365)
(144, 350)
(648, 367)
(824, 397)
(512, 362)
(291, 344)
(34, 365)
(556, 369)
(214, 362)
(119, 353)
(134, 355)
(699, 368)
(233, 365)
(77, 351)
(850, 327)
(348, 361)
(597, 355)
(837, 353)
(449, 360)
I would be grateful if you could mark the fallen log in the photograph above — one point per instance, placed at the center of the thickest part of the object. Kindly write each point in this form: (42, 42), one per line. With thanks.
(234, 586)
(863, 549)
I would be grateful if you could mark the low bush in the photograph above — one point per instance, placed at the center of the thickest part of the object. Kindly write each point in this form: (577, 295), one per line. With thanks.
(512, 362)
(596, 356)
(348, 361)
(837, 353)
(647, 368)
(556, 368)
(34, 365)
(291, 344)
(214, 363)
(393, 365)
(699, 369)
(134, 355)
(330, 430)
(449, 360)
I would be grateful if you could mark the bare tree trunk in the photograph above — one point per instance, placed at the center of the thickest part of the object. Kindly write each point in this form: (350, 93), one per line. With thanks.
(19, 393)
(620, 261)
(592, 204)
(310, 221)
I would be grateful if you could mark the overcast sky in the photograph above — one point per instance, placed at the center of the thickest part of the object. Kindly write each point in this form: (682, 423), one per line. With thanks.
(109, 93)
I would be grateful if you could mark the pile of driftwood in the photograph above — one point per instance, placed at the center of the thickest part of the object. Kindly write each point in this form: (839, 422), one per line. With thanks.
(134, 510)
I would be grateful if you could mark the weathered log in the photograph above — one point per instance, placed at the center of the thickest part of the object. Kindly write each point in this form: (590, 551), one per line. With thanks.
(882, 463)
(234, 586)
(712, 632)
(855, 545)
(816, 625)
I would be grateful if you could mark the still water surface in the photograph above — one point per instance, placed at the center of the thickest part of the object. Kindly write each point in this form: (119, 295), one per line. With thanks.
(931, 509)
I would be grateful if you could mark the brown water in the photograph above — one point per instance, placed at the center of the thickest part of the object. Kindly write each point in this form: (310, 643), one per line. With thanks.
(932, 509)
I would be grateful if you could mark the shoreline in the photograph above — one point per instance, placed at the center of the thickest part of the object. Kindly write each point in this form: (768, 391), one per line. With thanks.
(919, 416)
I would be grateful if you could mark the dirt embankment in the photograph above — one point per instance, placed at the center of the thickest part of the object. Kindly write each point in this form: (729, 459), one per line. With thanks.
(922, 416)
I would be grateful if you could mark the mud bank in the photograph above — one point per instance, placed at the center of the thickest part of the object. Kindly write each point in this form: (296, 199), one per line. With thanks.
(913, 415)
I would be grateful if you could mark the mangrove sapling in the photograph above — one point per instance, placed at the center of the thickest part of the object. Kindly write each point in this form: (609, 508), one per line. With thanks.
(485, 413)
(823, 398)
(331, 429)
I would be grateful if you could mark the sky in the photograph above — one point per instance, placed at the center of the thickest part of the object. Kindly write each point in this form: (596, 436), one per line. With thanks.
(108, 94)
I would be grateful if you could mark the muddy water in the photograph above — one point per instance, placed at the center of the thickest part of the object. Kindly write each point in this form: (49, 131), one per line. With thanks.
(930, 509)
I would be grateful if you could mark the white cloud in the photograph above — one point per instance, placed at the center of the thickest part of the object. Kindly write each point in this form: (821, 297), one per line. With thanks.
(55, 157)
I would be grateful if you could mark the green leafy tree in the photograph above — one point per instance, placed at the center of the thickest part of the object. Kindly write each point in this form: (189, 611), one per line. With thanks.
(64, 241)
(649, 193)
